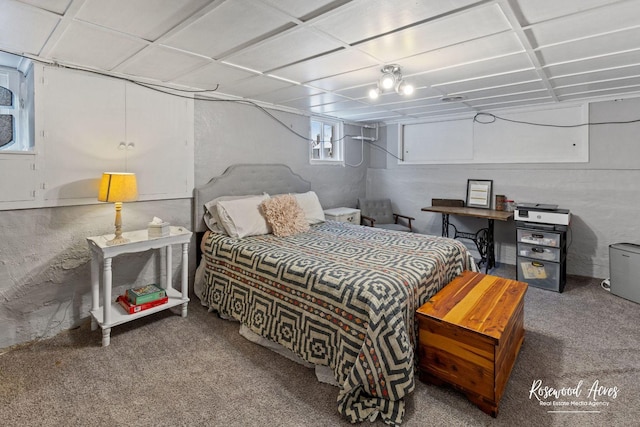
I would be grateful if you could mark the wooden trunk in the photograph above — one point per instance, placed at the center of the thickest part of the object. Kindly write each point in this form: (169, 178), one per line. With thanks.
(470, 335)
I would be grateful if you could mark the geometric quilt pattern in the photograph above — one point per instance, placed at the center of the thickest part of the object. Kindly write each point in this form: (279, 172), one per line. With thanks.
(338, 295)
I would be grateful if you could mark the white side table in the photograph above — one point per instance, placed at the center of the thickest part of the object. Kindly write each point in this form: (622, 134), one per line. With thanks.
(110, 313)
(343, 215)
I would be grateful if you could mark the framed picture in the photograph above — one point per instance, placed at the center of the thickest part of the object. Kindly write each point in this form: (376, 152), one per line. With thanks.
(479, 193)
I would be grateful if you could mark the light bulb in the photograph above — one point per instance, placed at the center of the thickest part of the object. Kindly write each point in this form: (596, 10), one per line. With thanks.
(407, 89)
(387, 81)
(374, 93)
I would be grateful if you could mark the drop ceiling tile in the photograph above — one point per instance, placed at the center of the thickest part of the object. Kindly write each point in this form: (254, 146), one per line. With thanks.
(94, 47)
(588, 48)
(227, 27)
(474, 50)
(253, 86)
(436, 109)
(148, 19)
(489, 106)
(56, 6)
(342, 61)
(586, 24)
(599, 86)
(620, 92)
(314, 100)
(335, 106)
(488, 82)
(300, 9)
(288, 94)
(623, 59)
(472, 71)
(501, 90)
(25, 28)
(361, 20)
(610, 74)
(472, 24)
(362, 77)
(283, 50)
(407, 103)
(211, 75)
(541, 10)
(162, 63)
(520, 97)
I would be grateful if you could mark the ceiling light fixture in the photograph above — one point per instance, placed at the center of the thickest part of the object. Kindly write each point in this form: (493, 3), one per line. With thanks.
(391, 79)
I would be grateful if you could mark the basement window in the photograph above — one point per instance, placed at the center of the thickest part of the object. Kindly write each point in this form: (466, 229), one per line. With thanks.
(326, 144)
(14, 114)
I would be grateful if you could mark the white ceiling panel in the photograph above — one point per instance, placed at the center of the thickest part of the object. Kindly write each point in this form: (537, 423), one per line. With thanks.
(350, 79)
(209, 76)
(499, 54)
(56, 6)
(475, 50)
(25, 29)
(597, 76)
(162, 63)
(599, 86)
(490, 67)
(592, 47)
(283, 50)
(226, 27)
(301, 9)
(615, 61)
(288, 94)
(362, 20)
(488, 82)
(542, 10)
(459, 28)
(585, 25)
(94, 47)
(315, 100)
(253, 86)
(147, 19)
(342, 61)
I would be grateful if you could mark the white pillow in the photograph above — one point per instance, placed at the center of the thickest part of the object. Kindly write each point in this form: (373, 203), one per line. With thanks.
(210, 216)
(311, 206)
(243, 217)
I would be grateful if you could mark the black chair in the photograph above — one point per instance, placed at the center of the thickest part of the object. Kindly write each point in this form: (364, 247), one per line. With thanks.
(378, 213)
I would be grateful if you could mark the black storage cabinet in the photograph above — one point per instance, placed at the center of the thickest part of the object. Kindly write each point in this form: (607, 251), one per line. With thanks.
(541, 255)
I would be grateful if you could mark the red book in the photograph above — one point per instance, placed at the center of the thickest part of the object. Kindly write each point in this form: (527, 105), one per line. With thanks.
(133, 308)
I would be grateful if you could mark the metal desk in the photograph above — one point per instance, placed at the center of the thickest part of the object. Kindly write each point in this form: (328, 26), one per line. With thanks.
(483, 238)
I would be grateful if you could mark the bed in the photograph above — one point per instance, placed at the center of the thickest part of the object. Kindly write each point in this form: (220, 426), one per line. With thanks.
(338, 295)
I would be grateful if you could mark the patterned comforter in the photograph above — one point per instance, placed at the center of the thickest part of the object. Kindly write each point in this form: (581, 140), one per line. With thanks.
(338, 295)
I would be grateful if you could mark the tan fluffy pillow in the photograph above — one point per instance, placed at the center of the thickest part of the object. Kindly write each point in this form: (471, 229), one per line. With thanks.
(284, 215)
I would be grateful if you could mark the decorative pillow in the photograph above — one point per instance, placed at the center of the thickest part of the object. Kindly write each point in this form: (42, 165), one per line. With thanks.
(211, 218)
(311, 206)
(243, 217)
(284, 215)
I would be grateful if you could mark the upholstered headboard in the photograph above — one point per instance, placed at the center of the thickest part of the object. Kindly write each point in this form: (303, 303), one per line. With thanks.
(246, 179)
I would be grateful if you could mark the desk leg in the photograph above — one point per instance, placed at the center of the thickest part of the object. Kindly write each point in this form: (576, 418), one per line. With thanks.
(185, 283)
(445, 225)
(491, 253)
(95, 289)
(106, 304)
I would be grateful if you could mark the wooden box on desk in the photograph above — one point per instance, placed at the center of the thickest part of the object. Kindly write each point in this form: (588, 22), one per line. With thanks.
(470, 334)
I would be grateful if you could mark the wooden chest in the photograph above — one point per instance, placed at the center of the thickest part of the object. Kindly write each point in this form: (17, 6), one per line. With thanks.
(470, 335)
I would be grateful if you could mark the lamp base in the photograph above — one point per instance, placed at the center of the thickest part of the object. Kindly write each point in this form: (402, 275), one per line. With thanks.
(117, 241)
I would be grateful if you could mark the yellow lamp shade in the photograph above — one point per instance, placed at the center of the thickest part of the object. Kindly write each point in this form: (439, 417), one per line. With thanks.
(118, 187)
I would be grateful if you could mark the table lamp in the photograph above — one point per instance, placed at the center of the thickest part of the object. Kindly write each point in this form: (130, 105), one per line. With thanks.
(118, 187)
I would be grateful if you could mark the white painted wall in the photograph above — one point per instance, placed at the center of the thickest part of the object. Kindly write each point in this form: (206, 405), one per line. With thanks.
(602, 194)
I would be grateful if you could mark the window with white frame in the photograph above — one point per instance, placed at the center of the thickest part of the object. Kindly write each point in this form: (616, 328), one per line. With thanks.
(14, 117)
(326, 140)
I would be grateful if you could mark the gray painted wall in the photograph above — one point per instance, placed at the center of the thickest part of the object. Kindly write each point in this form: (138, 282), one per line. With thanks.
(602, 194)
(227, 133)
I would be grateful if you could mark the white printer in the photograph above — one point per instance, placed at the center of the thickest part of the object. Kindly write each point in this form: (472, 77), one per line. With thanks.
(540, 213)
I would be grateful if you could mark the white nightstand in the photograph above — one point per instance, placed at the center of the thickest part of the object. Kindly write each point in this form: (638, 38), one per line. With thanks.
(343, 215)
(110, 313)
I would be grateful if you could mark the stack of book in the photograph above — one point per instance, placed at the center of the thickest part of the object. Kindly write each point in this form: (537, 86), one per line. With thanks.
(142, 298)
